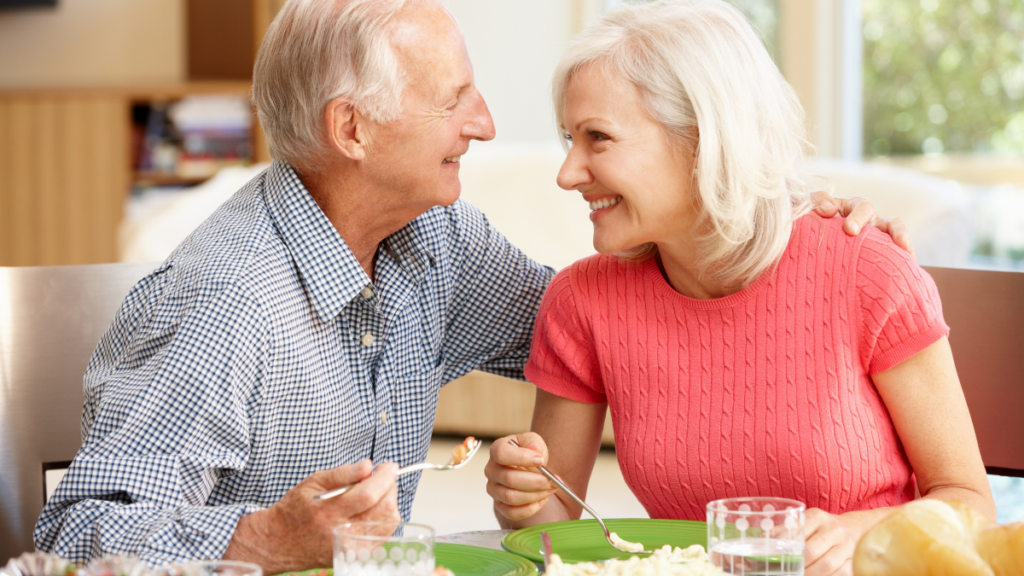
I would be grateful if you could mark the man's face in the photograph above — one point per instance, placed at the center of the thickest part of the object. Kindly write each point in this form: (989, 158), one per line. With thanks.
(417, 157)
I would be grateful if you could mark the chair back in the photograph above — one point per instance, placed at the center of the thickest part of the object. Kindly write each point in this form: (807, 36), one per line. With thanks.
(51, 319)
(985, 313)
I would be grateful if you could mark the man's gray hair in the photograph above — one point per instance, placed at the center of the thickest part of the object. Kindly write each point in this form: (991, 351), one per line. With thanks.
(319, 50)
(699, 66)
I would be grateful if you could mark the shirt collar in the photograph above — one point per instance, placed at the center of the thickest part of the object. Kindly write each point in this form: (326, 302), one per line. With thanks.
(328, 268)
(408, 246)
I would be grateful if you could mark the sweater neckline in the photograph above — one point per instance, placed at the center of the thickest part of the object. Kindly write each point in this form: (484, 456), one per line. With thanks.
(661, 285)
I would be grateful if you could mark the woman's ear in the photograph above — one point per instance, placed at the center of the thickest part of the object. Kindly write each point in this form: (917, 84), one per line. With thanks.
(346, 132)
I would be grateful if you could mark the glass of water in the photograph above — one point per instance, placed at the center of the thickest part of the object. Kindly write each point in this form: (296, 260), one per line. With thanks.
(757, 536)
(383, 549)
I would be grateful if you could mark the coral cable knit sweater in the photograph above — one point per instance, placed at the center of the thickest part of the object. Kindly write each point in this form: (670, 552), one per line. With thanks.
(766, 392)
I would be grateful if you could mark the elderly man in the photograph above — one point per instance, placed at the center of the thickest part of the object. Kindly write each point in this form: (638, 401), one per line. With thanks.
(306, 328)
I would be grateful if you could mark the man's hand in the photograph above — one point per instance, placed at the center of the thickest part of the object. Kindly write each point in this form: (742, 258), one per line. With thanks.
(859, 213)
(296, 532)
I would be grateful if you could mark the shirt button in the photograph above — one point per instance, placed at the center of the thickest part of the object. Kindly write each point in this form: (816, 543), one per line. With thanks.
(367, 339)
(384, 418)
(367, 293)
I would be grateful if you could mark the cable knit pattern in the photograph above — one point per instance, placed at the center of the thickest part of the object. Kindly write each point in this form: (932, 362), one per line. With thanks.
(766, 392)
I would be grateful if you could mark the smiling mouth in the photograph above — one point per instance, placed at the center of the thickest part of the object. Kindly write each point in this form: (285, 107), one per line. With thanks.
(604, 203)
(451, 159)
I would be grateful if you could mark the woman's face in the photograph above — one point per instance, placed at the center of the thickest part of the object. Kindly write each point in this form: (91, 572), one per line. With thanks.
(636, 178)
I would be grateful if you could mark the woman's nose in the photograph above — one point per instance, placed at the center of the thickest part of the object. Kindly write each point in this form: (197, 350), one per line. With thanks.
(574, 173)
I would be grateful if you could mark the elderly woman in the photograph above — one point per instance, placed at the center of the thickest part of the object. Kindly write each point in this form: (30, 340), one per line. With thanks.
(745, 345)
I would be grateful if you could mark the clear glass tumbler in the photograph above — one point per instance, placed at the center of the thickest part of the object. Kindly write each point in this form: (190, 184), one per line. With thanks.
(383, 549)
(757, 536)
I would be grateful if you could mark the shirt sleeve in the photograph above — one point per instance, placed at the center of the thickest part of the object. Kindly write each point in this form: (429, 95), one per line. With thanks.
(166, 398)
(563, 359)
(497, 290)
(900, 309)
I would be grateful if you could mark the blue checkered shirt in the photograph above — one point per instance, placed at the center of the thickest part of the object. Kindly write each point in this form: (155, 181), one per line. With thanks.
(260, 352)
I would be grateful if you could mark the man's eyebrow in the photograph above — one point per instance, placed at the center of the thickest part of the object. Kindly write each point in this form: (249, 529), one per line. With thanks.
(454, 93)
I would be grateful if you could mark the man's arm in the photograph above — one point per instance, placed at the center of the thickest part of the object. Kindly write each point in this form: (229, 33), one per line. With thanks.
(497, 292)
(165, 420)
(169, 397)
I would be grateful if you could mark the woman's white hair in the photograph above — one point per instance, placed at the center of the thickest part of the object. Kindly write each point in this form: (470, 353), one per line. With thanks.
(701, 70)
(319, 50)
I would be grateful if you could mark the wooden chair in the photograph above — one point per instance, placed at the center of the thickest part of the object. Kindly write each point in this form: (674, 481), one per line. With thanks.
(985, 313)
(51, 319)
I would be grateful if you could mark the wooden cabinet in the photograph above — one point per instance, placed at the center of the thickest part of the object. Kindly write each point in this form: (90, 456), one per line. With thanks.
(65, 168)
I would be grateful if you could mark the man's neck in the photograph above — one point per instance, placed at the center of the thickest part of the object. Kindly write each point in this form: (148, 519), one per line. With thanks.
(363, 215)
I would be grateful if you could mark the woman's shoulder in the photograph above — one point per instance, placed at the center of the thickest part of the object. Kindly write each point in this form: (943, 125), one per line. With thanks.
(597, 273)
(826, 236)
(590, 280)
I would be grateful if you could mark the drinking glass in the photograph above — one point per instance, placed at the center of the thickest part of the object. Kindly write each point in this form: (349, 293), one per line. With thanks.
(221, 568)
(383, 549)
(757, 536)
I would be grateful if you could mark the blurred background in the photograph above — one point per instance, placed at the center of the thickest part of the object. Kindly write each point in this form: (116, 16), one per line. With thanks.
(125, 123)
(110, 108)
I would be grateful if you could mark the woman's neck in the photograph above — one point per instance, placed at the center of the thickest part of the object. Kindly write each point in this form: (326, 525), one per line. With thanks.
(680, 267)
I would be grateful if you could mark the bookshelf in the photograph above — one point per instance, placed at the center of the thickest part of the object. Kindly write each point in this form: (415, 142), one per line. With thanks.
(66, 167)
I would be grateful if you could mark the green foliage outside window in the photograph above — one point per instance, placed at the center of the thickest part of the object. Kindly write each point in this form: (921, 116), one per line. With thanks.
(943, 76)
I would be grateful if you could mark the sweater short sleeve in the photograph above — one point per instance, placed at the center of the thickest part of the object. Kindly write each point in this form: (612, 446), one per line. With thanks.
(563, 359)
(900, 309)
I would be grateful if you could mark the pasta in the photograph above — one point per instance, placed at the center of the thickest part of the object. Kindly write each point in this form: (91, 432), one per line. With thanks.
(665, 561)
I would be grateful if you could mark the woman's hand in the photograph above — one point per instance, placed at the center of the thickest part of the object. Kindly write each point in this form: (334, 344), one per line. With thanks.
(859, 213)
(830, 541)
(518, 489)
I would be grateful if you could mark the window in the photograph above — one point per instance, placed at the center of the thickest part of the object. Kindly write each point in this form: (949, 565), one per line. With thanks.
(943, 76)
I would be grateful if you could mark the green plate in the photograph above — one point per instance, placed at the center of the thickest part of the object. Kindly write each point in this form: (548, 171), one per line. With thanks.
(584, 541)
(466, 560)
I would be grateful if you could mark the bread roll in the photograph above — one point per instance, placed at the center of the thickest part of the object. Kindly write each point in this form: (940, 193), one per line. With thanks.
(922, 538)
(1002, 547)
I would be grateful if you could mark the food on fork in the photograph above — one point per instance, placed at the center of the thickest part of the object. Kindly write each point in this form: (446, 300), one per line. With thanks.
(934, 537)
(625, 545)
(665, 561)
(460, 453)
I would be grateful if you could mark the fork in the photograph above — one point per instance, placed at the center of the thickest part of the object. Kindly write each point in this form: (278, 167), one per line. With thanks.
(451, 465)
(578, 500)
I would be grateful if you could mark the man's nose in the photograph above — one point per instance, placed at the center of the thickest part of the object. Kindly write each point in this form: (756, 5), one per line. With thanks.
(574, 174)
(480, 125)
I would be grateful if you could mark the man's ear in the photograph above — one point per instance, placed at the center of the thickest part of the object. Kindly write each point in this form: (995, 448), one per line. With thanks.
(346, 130)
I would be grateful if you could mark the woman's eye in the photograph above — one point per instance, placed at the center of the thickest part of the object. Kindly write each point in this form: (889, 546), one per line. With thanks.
(597, 136)
(567, 136)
